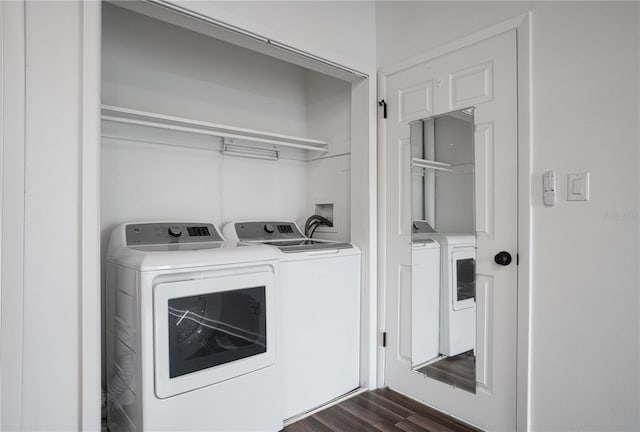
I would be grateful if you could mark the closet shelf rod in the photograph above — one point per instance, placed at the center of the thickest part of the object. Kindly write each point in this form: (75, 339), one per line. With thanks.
(160, 121)
(438, 166)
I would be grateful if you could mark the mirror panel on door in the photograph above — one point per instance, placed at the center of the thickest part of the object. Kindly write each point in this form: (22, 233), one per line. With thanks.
(443, 249)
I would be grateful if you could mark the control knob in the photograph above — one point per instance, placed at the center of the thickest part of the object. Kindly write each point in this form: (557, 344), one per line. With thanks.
(175, 231)
(269, 228)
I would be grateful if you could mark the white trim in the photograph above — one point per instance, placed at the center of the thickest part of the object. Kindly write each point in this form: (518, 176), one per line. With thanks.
(381, 227)
(494, 30)
(525, 232)
(13, 199)
(1, 174)
(522, 25)
(371, 266)
(91, 395)
(363, 218)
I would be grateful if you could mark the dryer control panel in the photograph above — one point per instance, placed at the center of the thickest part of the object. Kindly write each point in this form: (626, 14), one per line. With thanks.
(269, 230)
(171, 232)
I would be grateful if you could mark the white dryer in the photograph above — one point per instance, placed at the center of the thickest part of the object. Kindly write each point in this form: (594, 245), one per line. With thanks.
(319, 283)
(458, 302)
(191, 331)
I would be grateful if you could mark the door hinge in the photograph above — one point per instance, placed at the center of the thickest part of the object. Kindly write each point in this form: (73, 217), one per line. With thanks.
(383, 104)
(384, 339)
(517, 259)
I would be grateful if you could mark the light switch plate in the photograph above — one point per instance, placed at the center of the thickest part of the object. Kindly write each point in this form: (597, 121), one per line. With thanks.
(578, 187)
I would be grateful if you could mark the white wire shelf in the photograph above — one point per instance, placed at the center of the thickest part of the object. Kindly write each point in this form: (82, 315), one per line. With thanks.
(162, 121)
(430, 164)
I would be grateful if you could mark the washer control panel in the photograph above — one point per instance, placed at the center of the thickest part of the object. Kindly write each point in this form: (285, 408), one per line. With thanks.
(269, 230)
(171, 232)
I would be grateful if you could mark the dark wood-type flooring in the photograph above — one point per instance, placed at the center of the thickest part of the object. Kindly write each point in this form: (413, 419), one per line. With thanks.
(379, 410)
(459, 371)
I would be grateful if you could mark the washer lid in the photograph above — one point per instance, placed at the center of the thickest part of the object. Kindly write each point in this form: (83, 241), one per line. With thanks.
(421, 231)
(284, 235)
(305, 244)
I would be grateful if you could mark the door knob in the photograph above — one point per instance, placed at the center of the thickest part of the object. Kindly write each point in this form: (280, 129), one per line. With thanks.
(503, 258)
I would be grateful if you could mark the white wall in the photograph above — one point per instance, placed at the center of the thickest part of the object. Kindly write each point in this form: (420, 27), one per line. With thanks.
(149, 181)
(585, 303)
(329, 175)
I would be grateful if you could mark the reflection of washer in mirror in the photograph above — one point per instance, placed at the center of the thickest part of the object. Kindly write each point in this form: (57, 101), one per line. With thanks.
(425, 296)
(443, 203)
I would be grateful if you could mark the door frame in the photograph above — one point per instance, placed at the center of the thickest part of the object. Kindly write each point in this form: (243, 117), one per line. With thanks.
(90, 301)
(522, 25)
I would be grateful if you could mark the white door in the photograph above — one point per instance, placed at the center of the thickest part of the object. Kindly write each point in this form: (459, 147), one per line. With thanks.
(482, 75)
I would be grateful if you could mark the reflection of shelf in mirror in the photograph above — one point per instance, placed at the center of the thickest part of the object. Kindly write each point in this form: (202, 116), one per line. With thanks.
(161, 121)
(429, 164)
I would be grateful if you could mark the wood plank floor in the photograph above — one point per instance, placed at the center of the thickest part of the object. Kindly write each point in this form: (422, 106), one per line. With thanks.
(381, 410)
(459, 371)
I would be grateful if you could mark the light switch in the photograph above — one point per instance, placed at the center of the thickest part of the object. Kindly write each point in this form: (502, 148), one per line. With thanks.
(578, 187)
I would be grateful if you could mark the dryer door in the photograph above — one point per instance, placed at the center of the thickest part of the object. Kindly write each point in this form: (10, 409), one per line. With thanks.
(463, 283)
(211, 330)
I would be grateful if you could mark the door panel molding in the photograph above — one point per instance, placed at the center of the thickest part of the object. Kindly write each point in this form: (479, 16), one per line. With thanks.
(404, 192)
(484, 332)
(485, 176)
(416, 102)
(404, 312)
(463, 85)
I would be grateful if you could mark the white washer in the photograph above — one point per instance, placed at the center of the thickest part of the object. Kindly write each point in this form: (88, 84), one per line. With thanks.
(425, 300)
(191, 331)
(458, 303)
(319, 282)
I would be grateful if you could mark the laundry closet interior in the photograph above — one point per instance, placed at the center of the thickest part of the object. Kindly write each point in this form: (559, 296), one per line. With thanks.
(159, 69)
(197, 125)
